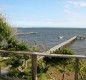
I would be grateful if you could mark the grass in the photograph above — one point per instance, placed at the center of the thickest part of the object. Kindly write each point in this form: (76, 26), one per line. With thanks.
(2, 62)
(44, 76)
(57, 74)
(56, 71)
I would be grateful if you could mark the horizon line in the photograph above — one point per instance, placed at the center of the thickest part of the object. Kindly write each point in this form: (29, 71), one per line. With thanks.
(48, 27)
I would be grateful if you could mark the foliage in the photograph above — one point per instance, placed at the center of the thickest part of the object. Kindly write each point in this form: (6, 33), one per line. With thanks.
(6, 35)
(44, 76)
(63, 51)
(15, 61)
(55, 60)
(82, 69)
(42, 67)
(13, 44)
(16, 73)
(5, 30)
(9, 42)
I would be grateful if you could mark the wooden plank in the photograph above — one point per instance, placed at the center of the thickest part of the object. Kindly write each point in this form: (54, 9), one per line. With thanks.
(60, 55)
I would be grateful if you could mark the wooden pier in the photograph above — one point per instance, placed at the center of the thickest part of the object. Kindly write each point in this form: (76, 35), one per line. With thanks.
(81, 37)
(59, 46)
(62, 44)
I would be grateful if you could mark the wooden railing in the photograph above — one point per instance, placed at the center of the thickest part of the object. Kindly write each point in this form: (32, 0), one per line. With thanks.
(34, 60)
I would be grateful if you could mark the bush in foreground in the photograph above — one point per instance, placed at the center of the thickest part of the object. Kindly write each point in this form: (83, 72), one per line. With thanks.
(56, 60)
(9, 42)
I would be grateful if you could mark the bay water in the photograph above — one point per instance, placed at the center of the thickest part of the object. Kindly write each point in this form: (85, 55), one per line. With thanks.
(51, 37)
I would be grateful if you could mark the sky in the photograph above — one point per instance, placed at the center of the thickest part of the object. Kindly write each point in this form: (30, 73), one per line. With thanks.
(44, 13)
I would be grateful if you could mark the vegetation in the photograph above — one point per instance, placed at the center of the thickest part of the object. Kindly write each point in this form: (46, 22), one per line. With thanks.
(82, 69)
(9, 42)
(55, 60)
(60, 65)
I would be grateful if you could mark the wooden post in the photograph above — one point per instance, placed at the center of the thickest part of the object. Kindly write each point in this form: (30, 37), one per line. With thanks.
(34, 67)
(0, 69)
(76, 68)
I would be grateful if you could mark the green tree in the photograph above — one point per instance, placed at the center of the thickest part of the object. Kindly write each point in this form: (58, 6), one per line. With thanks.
(8, 41)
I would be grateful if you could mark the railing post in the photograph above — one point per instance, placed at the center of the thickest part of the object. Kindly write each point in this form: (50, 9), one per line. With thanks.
(34, 67)
(0, 69)
(76, 68)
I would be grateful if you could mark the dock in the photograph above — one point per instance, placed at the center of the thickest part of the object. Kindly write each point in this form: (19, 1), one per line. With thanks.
(62, 44)
(81, 37)
(69, 41)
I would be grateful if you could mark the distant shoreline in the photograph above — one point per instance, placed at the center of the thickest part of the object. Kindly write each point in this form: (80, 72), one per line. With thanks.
(54, 27)
(27, 33)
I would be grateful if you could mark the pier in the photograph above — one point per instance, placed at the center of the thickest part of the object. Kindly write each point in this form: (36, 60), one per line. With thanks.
(81, 37)
(65, 43)
(69, 41)
(62, 44)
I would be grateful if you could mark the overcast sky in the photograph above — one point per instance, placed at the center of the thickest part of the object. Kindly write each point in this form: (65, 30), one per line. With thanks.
(44, 13)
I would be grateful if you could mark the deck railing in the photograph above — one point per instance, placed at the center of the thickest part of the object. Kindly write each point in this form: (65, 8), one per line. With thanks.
(34, 60)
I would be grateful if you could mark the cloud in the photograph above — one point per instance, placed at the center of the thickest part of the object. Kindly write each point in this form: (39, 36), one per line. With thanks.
(71, 7)
(74, 13)
(67, 10)
(77, 4)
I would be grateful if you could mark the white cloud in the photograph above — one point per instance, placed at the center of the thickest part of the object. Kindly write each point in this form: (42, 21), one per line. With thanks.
(77, 4)
(73, 16)
(67, 10)
(71, 7)
(68, 21)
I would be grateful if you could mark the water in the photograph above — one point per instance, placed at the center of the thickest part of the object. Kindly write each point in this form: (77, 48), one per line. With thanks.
(50, 37)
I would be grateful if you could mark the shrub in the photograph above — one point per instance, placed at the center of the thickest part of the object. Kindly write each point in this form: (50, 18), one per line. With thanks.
(12, 44)
(42, 67)
(55, 60)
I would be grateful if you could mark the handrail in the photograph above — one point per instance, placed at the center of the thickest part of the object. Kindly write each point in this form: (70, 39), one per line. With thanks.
(44, 54)
(34, 60)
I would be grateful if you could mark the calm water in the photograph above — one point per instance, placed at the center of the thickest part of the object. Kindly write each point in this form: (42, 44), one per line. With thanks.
(50, 37)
